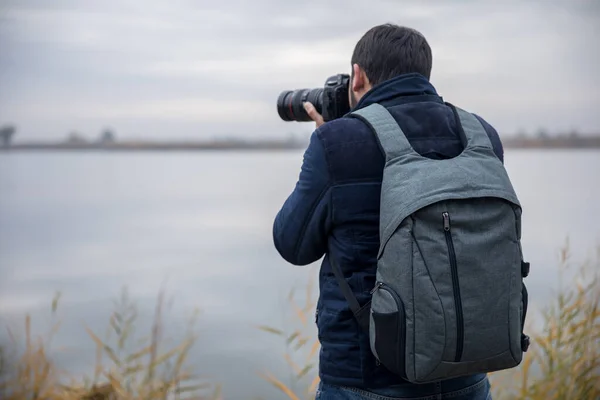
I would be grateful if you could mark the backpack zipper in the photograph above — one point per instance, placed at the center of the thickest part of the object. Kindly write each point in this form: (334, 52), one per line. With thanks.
(456, 288)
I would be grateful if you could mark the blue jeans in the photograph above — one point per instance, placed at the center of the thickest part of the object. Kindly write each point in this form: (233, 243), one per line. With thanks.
(477, 391)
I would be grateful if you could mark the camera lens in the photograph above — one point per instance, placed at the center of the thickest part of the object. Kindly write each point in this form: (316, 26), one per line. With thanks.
(289, 103)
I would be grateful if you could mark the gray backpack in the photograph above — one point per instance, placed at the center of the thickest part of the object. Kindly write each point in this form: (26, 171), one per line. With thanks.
(449, 299)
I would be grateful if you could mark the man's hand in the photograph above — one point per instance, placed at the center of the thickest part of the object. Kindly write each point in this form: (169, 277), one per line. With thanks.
(313, 113)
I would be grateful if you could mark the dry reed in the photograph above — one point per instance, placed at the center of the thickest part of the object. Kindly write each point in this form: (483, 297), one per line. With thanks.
(129, 369)
(563, 361)
(301, 349)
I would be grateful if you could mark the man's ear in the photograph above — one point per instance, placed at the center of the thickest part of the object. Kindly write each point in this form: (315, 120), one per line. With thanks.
(358, 81)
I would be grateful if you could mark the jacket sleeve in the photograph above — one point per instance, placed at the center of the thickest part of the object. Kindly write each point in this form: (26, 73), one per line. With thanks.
(494, 138)
(301, 226)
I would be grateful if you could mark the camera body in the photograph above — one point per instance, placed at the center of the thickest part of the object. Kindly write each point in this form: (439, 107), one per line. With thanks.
(331, 101)
(335, 97)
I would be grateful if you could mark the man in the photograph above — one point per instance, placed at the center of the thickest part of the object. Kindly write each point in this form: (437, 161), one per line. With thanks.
(334, 209)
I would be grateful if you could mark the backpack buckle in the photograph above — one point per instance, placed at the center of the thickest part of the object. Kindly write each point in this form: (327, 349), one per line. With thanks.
(525, 342)
(524, 269)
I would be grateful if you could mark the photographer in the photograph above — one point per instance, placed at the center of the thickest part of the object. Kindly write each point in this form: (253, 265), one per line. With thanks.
(334, 209)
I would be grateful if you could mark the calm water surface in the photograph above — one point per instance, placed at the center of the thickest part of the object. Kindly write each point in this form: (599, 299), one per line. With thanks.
(88, 224)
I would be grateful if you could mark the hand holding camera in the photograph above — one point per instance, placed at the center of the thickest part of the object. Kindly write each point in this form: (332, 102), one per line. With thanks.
(313, 113)
(319, 105)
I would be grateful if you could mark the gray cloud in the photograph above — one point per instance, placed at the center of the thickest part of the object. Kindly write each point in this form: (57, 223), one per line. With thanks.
(197, 69)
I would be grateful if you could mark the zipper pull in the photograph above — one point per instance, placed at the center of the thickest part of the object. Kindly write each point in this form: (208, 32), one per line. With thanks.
(446, 217)
(377, 286)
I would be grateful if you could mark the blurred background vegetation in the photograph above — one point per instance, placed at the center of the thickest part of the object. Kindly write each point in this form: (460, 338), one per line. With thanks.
(563, 361)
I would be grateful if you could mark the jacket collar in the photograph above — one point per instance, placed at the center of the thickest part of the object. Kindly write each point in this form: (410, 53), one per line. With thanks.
(398, 90)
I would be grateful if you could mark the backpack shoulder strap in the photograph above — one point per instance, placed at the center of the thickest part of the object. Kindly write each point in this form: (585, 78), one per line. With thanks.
(391, 138)
(360, 313)
(393, 143)
(474, 133)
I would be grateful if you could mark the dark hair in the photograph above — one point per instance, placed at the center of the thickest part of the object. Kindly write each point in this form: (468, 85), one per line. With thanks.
(389, 50)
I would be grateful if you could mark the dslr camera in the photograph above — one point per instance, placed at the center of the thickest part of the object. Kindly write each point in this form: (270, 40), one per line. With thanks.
(331, 101)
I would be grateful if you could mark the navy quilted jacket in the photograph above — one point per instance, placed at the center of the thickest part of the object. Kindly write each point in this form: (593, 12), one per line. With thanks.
(334, 212)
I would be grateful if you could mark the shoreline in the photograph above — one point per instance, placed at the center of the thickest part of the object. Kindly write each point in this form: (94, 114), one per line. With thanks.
(258, 146)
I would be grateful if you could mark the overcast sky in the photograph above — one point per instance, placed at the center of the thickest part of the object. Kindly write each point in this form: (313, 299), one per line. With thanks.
(194, 69)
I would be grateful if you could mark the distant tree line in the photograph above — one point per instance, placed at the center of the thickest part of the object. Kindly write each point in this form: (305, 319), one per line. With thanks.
(542, 134)
(6, 134)
(107, 136)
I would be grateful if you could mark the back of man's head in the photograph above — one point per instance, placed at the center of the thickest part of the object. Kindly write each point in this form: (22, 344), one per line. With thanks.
(388, 50)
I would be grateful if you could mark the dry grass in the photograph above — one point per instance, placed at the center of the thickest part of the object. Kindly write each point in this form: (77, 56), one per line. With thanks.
(128, 369)
(301, 349)
(563, 361)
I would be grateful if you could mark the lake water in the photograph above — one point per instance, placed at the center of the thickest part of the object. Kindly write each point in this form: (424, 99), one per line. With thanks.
(89, 223)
